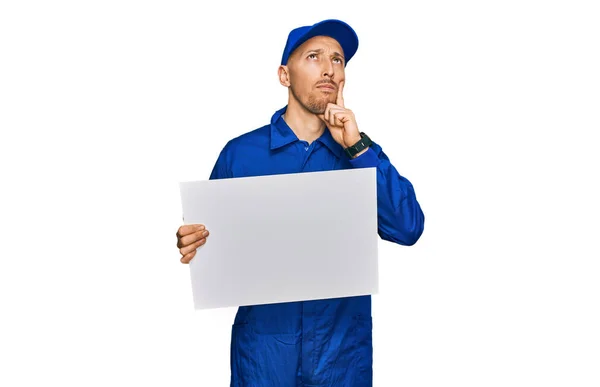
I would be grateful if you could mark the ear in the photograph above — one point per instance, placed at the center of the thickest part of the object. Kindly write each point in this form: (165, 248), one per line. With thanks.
(284, 75)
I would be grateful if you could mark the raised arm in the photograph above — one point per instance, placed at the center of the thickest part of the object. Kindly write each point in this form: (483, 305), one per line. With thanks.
(399, 215)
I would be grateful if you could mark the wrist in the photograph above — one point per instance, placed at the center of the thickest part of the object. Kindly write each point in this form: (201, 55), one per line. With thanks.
(352, 141)
(360, 153)
(359, 147)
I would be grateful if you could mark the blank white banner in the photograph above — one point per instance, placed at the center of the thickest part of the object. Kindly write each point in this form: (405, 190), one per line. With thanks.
(280, 238)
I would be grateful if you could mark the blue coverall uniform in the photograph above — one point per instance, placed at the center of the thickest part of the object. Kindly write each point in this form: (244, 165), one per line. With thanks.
(319, 342)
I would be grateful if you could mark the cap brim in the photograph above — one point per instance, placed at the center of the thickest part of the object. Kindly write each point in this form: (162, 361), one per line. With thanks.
(335, 29)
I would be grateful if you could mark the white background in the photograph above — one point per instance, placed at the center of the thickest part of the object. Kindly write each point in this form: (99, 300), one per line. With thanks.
(488, 107)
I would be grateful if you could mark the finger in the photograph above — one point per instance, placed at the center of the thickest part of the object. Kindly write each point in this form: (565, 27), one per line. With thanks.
(342, 117)
(188, 249)
(334, 111)
(340, 97)
(188, 229)
(326, 113)
(188, 257)
(332, 117)
(192, 238)
(328, 110)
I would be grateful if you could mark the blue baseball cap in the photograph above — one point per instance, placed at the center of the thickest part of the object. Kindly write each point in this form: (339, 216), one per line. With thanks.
(336, 29)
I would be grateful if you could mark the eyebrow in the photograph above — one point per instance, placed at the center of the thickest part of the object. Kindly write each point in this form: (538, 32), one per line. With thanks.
(320, 51)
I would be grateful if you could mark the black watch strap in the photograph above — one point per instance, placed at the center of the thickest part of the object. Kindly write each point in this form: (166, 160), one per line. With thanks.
(362, 144)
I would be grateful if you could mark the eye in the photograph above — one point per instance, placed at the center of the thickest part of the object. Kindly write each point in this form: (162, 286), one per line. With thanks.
(312, 55)
(339, 60)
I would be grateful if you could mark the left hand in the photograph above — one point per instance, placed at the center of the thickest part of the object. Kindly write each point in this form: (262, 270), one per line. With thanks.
(341, 121)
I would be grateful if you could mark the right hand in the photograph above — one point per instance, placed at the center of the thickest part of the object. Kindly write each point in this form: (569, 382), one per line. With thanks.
(189, 238)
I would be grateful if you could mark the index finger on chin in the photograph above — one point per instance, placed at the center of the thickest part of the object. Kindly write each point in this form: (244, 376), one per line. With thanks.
(340, 97)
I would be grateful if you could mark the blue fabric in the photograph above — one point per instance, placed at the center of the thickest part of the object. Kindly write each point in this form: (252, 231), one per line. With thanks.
(337, 29)
(321, 342)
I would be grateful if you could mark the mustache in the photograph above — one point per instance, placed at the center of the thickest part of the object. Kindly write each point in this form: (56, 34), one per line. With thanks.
(327, 82)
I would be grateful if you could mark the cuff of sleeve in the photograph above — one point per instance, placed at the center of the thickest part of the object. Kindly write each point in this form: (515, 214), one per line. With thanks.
(366, 160)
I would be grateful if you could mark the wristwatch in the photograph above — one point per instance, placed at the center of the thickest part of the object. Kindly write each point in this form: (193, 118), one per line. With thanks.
(362, 144)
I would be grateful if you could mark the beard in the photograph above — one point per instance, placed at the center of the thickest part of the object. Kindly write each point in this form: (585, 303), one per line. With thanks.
(315, 103)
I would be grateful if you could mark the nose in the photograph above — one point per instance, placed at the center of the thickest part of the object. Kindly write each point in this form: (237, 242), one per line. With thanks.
(328, 69)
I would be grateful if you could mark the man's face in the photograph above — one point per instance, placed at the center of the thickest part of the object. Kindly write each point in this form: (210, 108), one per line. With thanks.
(315, 70)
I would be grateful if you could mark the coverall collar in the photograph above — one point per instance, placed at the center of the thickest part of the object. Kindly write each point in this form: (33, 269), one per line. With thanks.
(282, 134)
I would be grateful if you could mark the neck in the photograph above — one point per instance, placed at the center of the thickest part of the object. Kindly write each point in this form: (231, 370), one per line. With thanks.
(305, 124)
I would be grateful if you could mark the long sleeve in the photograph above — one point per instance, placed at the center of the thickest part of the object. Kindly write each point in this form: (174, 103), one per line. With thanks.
(399, 215)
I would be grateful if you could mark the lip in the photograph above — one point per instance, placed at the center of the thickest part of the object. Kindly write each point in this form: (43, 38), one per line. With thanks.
(330, 87)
